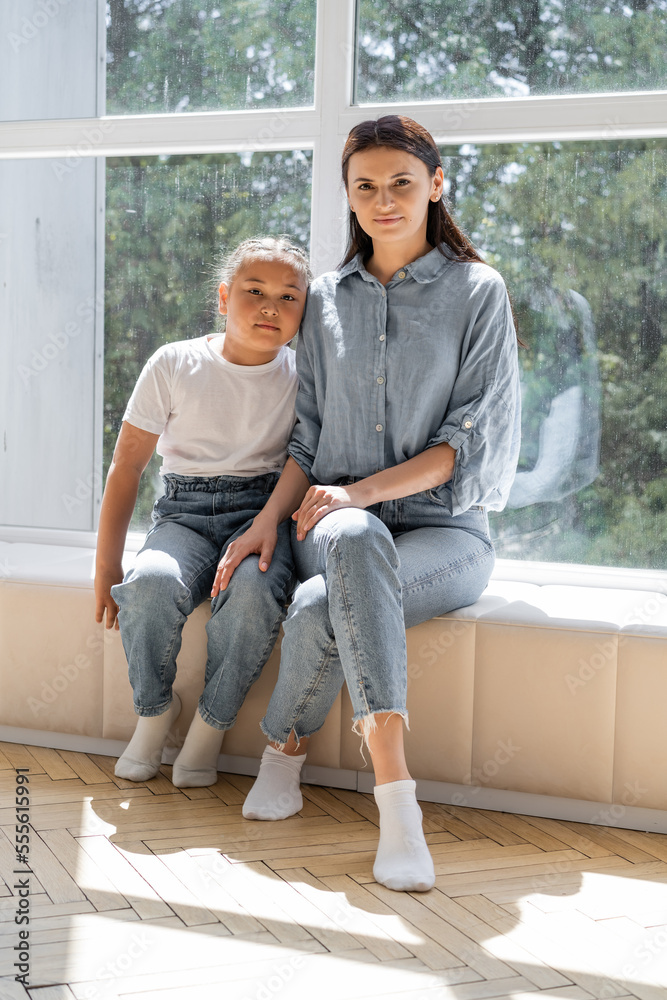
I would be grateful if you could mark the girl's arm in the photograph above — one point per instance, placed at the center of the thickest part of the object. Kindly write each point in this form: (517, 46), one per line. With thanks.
(131, 456)
(261, 537)
(428, 469)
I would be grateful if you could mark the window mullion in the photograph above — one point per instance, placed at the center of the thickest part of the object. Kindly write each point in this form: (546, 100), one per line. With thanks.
(131, 135)
(601, 116)
(536, 119)
(334, 68)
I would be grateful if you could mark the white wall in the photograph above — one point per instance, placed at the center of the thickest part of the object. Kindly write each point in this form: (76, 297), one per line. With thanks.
(49, 225)
(52, 42)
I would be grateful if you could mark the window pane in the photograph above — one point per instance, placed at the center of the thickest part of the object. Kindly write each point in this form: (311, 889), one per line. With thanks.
(426, 49)
(168, 218)
(204, 55)
(48, 65)
(577, 231)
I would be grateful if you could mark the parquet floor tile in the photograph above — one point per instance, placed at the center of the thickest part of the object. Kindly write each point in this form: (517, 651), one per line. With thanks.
(143, 891)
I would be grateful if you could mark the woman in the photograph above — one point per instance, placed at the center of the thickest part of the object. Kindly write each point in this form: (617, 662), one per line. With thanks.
(407, 433)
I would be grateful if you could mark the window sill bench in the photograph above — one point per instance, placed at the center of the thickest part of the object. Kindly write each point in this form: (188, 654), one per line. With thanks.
(541, 698)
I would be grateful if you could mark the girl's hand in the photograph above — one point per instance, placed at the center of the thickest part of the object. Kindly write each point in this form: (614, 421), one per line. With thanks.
(104, 602)
(320, 501)
(260, 539)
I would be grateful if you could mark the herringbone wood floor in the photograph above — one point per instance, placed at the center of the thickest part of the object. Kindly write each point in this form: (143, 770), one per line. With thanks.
(147, 891)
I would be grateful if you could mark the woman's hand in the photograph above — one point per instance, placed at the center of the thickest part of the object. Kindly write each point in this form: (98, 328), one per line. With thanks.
(104, 602)
(260, 538)
(320, 501)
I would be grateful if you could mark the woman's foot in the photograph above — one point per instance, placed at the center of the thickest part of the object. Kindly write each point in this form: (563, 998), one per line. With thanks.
(276, 793)
(403, 861)
(196, 764)
(143, 754)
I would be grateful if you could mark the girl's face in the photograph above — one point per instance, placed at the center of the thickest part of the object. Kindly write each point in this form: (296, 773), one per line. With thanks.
(263, 306)
(389, 191)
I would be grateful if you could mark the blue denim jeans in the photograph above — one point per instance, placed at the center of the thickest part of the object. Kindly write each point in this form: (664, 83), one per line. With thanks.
(367, 575)
(194, 522)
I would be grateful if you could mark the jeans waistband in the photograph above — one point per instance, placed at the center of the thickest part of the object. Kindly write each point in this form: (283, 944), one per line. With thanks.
(220, 484)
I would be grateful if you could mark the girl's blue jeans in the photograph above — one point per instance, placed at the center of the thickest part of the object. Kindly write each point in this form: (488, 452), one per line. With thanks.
(194, 522)
(367, 575)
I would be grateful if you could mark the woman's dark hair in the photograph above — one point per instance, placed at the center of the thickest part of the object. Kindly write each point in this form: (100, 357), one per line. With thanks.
(400, 132)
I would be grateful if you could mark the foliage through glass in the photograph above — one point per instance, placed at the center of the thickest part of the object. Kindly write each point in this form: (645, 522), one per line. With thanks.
(166, 56)
(577, 231)
(427, 50)
(168, 219)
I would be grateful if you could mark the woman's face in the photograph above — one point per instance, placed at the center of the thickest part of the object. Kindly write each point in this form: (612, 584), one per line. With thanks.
(389, 192)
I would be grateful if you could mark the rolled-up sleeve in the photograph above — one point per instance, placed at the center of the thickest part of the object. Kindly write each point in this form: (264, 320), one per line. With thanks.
(482, 422)
(306, 434)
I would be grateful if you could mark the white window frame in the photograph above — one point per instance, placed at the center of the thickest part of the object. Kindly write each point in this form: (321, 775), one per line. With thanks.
(323, 128)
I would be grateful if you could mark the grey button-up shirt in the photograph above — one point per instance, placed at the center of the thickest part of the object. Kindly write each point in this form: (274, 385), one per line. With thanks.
(387, 372)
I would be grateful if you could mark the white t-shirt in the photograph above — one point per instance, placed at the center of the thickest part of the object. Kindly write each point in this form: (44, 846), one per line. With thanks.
(215, 418)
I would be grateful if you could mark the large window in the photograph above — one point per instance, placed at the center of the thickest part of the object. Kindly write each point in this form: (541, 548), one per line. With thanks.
(577, 230)
(167, 221)
(182, 126)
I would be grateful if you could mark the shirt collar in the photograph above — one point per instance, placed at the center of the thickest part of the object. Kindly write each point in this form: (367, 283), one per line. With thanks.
(424, 270)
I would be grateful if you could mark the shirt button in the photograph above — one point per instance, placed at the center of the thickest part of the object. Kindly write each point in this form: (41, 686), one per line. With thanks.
(381, 336)
(468, 424)
(380, 380)
(401, 274)
(384, 292)
(378, 427)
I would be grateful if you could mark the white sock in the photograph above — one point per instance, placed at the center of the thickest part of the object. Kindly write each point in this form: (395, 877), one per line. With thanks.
(276, 793)
(195, 765)
(143, 754)
(403, 861)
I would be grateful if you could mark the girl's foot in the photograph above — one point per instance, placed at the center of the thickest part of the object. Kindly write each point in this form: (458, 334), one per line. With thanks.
(196, 764)
(403, 861)
(143, 754)
(276, 793)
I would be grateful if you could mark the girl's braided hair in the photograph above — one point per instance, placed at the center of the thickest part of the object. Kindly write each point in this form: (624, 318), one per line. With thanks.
(264, 248)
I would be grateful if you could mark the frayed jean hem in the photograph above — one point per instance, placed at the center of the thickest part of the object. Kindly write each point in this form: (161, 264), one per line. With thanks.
(281, 742)
(365, 724)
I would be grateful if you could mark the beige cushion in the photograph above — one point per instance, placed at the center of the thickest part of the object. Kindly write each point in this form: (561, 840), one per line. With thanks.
(554, 690)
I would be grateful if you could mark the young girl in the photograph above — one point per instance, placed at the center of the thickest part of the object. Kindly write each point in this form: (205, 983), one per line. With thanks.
(219, 410)
(408, 412)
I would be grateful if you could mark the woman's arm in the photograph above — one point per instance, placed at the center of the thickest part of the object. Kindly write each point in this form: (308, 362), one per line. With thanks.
(261, 537)
(287, 495)
(482, 421)
(131, 456)
(428, 469)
